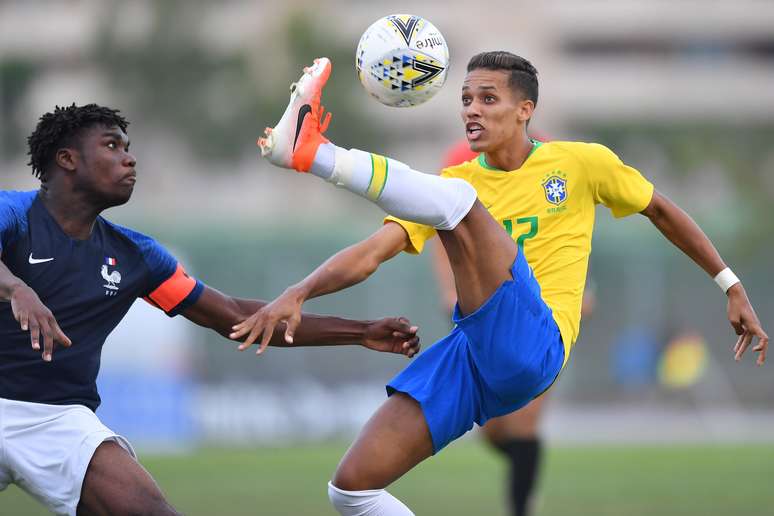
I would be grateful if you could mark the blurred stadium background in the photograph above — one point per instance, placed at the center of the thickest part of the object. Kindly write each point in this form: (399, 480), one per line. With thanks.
(652, 416)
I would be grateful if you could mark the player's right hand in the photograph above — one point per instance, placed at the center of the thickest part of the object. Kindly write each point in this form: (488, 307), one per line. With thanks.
(745, 321)
(285, 309)
(33, 316)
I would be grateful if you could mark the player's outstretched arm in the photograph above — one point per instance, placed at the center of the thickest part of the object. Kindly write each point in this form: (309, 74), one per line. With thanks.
(220, 312)
(684, 233)
(344, 269)
(31, 314)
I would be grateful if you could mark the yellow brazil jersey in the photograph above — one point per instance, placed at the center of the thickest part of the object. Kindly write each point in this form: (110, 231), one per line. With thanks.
(547, 206)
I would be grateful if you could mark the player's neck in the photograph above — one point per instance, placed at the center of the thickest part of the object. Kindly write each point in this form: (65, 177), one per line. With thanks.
(511, 157)
(74, 215)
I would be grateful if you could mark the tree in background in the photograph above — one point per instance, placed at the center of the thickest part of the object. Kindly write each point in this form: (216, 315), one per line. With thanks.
(220, 103)
(213, 101)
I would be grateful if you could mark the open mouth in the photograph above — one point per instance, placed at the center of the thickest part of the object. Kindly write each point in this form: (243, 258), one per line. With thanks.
(473, 130)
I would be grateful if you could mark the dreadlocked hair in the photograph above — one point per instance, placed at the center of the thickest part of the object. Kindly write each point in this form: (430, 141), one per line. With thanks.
(522, 75)
(59, 128)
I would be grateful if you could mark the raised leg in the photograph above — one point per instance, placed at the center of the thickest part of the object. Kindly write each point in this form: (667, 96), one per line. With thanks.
(480, 251)
(480, 254)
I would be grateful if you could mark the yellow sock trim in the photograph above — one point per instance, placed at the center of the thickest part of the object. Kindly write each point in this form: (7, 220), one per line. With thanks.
(379, 171)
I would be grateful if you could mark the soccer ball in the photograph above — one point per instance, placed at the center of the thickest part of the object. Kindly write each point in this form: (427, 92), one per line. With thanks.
(401, 60)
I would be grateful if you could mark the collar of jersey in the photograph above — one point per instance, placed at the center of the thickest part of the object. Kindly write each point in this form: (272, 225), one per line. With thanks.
(59, 228)
(484, 164)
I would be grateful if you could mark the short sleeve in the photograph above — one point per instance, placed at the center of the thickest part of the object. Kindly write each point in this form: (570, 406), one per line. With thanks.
(418, 234)
(13, 207)
(7, 221)
(176, 293)
(168, 286)
(616, 185)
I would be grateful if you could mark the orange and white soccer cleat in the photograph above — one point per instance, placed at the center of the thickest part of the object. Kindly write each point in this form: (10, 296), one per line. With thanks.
(293, 142)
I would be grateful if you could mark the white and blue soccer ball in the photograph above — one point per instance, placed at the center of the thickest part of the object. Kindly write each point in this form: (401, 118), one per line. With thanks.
(401, 60)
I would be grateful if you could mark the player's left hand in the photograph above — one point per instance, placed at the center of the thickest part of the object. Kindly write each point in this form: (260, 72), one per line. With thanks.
(392, 335)
(286, 309)
(742, 317)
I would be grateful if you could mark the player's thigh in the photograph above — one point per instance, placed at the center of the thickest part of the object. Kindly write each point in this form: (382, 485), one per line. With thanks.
(6, 477)
(116, 484)
(48, 449)
(522, 424)
(391, 443)
(481, 254)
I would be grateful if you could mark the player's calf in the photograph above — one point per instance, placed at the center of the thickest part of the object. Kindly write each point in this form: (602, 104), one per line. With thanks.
(395, 187)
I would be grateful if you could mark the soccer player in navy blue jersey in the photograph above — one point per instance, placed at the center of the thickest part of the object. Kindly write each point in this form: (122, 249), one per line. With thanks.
(67, 278)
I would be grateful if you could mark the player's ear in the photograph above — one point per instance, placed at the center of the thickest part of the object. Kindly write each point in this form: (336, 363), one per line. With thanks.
(66, 158)
(525, 110)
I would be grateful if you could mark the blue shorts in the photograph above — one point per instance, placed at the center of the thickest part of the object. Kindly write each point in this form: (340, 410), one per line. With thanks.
(495, 360)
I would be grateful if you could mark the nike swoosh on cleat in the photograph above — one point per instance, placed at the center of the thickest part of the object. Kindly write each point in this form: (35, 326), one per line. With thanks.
(33, 261)
(305, 110)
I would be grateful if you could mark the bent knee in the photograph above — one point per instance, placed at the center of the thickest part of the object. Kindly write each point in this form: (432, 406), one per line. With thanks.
(348, 477)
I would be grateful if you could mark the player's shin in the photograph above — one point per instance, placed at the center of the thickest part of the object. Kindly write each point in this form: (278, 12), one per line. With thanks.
(374, 502)
(395, 187)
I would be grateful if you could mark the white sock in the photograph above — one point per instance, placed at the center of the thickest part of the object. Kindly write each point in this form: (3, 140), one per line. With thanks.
(374, 502)
(324, 161)
(396, 188)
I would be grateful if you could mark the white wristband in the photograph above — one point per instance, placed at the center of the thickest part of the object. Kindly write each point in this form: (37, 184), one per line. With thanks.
(726, 279)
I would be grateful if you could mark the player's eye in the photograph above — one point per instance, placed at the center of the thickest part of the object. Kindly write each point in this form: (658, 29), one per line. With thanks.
(112, 145)
(489, 99)
(466, 101)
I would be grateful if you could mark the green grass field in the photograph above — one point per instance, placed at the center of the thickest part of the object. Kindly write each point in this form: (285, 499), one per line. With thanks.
(466, 480)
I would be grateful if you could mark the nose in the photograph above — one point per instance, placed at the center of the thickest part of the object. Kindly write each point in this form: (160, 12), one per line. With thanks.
(472, 110)
(129, 160)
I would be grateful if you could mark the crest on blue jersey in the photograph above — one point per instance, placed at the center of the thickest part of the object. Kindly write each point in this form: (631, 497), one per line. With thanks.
(555, 188)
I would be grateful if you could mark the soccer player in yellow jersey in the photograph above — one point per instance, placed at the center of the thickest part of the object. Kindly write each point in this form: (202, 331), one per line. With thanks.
(516, 223)
(516, 436)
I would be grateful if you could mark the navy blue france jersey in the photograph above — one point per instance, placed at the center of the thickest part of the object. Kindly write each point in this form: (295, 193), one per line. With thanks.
(88, 285)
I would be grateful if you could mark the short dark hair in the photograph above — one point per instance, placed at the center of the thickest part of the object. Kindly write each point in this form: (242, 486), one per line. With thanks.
(60, 127)
(523, 76)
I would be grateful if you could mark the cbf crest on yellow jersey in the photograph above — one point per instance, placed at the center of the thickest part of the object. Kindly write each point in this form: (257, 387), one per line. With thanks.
(547, 206)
